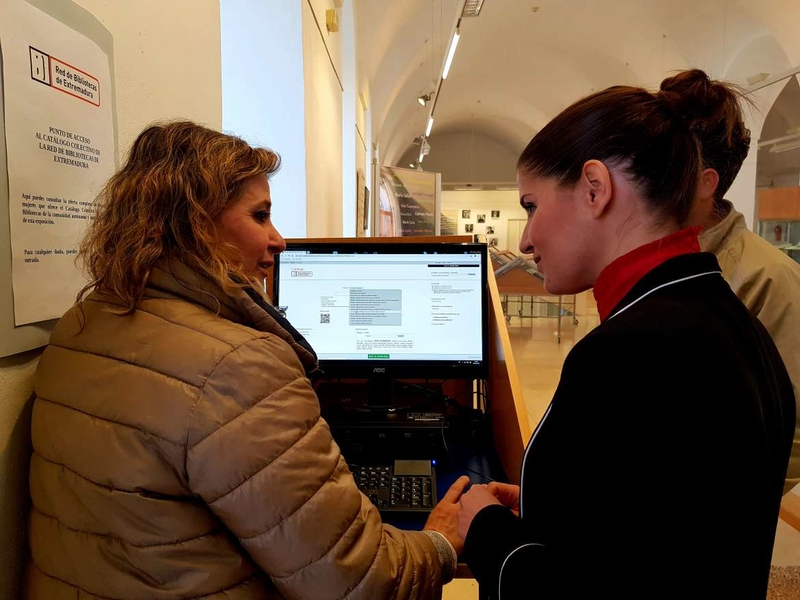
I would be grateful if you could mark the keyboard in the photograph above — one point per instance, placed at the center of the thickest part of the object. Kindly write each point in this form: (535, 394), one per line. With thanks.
(406, 486)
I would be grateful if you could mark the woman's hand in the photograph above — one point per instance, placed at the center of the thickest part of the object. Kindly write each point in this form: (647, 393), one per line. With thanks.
(444, 516)
(507, 494)
(477, 498)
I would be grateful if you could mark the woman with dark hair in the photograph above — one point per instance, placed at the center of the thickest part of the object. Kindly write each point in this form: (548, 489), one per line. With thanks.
(658, 467)
(178, 449)
(765, 279)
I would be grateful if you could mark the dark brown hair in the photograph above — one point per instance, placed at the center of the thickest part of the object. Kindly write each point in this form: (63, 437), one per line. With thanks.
(626, 127)
(163, 202)
(714, 113)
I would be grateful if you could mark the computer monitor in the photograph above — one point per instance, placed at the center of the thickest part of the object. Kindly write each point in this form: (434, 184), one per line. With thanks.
(388, 310)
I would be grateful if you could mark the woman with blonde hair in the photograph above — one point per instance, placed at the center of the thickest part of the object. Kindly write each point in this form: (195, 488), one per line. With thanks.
(178, 446)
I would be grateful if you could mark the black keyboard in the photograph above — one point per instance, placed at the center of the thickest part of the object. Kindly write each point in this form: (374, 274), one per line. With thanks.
(405, 486)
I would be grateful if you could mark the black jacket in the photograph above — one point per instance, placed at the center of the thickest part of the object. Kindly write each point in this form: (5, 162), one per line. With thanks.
(658, 468)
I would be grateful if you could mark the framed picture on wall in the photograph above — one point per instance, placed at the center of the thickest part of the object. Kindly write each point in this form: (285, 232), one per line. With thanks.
(468, 227)
(489, 230)
(465, 213)
(492, 241)
(482, 218)
(495, 214)
(366, 207)
(361, 208)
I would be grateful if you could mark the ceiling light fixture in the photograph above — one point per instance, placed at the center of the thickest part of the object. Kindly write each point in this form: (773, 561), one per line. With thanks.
(785, 146)
(451, 53)
(770, 80)
(425, 148)
(472, 8)
(757, 78)
(430, 126)
(424, 99)
(793, 134)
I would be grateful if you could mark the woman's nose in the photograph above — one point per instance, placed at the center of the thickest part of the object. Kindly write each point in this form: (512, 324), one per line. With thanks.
(276, 243)
(525, 245)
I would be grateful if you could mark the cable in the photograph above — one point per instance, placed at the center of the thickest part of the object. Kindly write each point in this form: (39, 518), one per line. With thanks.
(481, 475)
(444, 440)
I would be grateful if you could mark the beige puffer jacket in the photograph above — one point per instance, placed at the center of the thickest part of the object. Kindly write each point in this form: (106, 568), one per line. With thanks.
(180, 453)
(767, 281)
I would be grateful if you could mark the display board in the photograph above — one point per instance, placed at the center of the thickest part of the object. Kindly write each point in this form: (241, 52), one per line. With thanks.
(58, 145)
(408, 203)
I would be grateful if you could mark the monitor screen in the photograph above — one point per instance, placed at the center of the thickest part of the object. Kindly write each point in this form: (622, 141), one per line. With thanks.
(397, 309)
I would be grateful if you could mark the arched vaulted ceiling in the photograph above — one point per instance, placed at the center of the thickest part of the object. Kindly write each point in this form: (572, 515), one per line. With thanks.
(521, 62)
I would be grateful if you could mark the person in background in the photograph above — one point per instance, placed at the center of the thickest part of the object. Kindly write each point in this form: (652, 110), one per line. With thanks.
(679, 387)
(178, 449)
(764, 278)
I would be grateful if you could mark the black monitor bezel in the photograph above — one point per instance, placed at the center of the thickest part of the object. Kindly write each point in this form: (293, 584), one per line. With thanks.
(400, 369)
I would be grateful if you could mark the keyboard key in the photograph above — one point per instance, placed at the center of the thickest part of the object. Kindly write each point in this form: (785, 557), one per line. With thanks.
(395, 493)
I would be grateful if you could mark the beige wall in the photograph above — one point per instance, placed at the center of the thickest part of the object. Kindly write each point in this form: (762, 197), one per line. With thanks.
(167, 65)
(323, 126)
(467, 158)
(167, 61)
(16, 385)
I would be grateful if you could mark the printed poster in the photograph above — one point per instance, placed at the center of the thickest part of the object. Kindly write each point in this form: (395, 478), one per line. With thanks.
(449, 222)
(409, 202)
(60, 142)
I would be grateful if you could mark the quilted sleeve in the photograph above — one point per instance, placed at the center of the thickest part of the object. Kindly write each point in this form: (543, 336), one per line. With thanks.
(261, 457)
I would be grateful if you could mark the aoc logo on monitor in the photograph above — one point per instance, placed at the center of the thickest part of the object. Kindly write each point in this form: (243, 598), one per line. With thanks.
(379, 370)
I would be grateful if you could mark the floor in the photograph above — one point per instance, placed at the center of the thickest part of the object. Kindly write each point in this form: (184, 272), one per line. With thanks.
(535, 342)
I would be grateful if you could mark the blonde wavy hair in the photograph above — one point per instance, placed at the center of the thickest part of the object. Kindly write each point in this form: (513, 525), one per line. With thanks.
(163, 202)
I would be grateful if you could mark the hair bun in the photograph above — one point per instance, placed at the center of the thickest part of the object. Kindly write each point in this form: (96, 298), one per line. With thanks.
(694, 95)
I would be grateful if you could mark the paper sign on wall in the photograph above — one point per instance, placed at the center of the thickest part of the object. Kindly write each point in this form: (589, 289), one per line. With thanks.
(60, 145)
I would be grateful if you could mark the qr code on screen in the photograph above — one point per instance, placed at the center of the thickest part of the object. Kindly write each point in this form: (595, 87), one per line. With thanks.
(325, 318)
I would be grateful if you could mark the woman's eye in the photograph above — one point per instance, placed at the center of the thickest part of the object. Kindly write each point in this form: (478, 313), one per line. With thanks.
(530, 209)
(262, 216)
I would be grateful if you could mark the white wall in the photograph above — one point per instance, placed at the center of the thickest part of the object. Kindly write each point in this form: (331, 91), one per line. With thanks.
(483, 202)
(352, 159)
(282, 88)
(16, 386)
(763, 54)
(263, 99)
(323, 126)
(464, 158)
(167, 65)
(786, 180)
(167, 62)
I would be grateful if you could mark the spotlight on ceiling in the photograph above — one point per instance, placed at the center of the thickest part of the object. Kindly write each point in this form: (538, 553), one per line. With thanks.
(424, 99)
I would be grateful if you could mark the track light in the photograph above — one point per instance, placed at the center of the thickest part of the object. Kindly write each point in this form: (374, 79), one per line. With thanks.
(424, 99)
(430, 126)
(451, 53)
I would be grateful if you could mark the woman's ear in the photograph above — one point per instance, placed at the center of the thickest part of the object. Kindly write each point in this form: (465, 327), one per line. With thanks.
(598, 187)
(707, 187)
